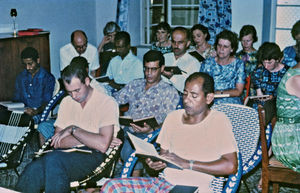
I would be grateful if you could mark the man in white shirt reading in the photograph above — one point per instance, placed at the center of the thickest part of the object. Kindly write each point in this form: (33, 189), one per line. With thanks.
(79, 46)
(181, 58)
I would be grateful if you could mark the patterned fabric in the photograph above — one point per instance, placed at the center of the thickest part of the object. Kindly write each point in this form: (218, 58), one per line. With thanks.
(122, 14)
(289, 55)
(163, 50)
(250, 62)
(34, 91)
(215, 15)
(137, 185)
(225, 76)
(158, 100)
(268, 81)
(286, 136)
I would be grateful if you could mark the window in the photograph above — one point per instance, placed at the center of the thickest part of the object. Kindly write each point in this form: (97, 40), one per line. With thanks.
(287, 14)
(175, 12)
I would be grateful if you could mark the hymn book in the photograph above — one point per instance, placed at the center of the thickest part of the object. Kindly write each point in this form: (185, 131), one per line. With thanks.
(102, 79)
(147, 150)
(16, 107)
(176, 69)
(151, 121)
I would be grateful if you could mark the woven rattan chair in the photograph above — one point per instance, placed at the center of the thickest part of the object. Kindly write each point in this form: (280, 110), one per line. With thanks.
(15, 132)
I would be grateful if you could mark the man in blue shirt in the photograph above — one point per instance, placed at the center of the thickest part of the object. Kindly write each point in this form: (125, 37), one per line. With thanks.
(34, 85)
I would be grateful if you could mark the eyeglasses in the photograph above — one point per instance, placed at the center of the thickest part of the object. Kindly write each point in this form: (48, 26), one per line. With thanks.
(152, 69)
(81, 47)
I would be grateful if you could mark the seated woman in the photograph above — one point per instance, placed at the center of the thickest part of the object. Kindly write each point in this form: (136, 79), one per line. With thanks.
(286, 135)
(202, 49)
(268, 76)
(248, 37)
(106, 48)
(162, 36)
(227, 70)
(289, 52)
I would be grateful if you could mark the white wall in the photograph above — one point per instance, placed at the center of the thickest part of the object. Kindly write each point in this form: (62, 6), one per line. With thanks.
(61, 18)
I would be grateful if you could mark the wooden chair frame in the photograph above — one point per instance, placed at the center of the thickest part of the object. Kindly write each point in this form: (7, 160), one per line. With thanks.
(275, 173)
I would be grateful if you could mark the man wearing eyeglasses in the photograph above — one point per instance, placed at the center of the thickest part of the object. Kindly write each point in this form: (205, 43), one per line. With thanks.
(79, 46)
(149, 96)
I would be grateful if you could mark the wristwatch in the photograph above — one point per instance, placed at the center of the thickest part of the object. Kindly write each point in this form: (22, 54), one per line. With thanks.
(73, 130)
(191, 164)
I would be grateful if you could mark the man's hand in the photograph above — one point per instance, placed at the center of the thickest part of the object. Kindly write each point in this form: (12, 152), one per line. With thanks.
(31, 111)
(138, 129)
(168, 74)
(159, 165)
(175, 158)
(56, 139)
(115, 142)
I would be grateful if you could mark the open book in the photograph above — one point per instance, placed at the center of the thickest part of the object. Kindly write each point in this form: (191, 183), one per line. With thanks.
(259, 97)
(16, 107)
(176, 69)
(147, 150)
(102, 79)
(151, 121)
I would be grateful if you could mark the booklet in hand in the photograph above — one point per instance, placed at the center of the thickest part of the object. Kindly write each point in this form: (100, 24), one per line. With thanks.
(176, 69)
(151, 121)
(147, 150)
(102, 79)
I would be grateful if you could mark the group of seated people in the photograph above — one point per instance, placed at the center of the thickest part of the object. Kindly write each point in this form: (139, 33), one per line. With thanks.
(88, 118)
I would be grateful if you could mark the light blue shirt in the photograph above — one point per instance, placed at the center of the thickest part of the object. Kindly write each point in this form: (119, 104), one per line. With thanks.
(126, 70)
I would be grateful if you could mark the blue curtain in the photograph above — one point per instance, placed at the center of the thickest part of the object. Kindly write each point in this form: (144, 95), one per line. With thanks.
(215, 15)
(122, 14)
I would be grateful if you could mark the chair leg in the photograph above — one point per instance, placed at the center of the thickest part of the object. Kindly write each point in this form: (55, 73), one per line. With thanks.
(275, 187)
(16, 171)
(265, 184)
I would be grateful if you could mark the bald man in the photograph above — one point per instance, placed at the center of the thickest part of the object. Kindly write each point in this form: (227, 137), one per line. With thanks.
(79, 46)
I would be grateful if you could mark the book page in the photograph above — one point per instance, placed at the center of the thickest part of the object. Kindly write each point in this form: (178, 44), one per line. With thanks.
(148, 150)
(10, 104)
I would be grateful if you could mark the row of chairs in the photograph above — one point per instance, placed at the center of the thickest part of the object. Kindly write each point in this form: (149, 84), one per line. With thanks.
(248, 125)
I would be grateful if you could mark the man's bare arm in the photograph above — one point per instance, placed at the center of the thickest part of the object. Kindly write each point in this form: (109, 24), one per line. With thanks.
(68, 137)
(226, 165)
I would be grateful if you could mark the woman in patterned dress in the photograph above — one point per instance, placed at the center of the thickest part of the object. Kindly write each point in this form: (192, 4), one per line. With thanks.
(248, 37)
(268, 76)
(227, 70)
(286, 135)
(201, 49)
(162, 34)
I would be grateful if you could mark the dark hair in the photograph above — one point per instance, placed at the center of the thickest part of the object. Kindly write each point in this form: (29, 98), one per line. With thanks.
(230, 36)
(79, 31)
(203, 29)
(30, 52)
(296, 29)
(164, 26)
(75, 69)
(80, 61)
(123, 35)
(184, 30)
(269, 51)
(111, 27)
(208, 84)
(153, 55)
(246, 30)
